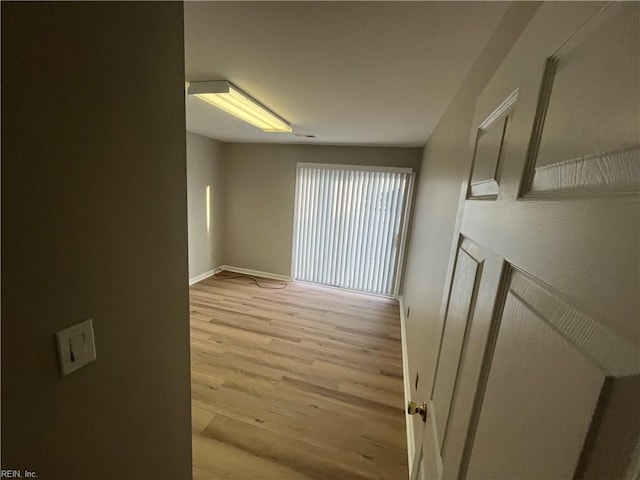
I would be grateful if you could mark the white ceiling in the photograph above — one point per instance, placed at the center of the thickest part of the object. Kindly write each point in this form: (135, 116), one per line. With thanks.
(358, 73)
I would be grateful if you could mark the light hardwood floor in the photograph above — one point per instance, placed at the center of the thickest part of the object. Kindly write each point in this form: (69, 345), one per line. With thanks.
(299, 383)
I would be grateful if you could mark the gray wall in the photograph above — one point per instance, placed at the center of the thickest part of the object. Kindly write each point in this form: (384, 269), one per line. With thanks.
(94, 225)
(260, 181)
(446, 162)
(205, 169)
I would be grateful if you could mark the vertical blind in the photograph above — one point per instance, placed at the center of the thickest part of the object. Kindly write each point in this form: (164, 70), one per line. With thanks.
(349, 222)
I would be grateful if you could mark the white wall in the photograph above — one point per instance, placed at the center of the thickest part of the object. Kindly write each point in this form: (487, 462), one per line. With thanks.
(446, 162)
(205, 188)
(260, 181)
(94, 225)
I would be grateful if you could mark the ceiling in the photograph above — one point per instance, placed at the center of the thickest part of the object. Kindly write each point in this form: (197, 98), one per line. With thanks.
(356, 73)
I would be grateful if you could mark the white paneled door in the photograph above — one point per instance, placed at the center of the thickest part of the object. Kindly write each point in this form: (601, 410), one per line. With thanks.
(538, 375)
(349, 226)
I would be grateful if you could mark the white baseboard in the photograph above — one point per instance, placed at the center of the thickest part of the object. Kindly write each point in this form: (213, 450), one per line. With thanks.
(202, 276)
(411, 446)
(255, 273)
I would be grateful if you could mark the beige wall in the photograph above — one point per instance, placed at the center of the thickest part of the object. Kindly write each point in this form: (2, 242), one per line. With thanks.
(94, 225)
(204, 171)
(260, 181)
(446, 162)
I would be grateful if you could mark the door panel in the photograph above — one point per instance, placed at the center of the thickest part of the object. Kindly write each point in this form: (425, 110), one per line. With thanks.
(539, 374)
(538, 402)
(587, 126)
(588, 247)
(466, 280)
(489, 144)
(548, 372)
(477, 276)
(469, 360)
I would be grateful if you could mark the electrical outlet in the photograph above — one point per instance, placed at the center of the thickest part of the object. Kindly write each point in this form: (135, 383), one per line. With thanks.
(417, 379)
(76, 346)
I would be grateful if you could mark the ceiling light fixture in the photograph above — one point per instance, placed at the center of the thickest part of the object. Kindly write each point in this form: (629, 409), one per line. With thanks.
(231, 99)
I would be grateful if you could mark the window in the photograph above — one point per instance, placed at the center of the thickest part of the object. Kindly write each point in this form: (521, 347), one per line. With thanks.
(349, 226)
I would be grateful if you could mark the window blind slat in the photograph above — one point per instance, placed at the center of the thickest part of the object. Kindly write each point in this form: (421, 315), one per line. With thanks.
(382, 231)
(389, 231)
(375, 233)
(366, 237)
(327, 227)
(356, 227)
(331, 223)
(397, 220)
(363, 251)
(316, 228)
(337, 212)
(297, 225)
(305, 225)
(299, 240)
(348, 219)
(302, 250)
(322, 205)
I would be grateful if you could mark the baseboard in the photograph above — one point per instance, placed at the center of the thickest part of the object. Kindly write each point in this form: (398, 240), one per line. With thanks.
(255, 273)
(202, 276)
(411, 446)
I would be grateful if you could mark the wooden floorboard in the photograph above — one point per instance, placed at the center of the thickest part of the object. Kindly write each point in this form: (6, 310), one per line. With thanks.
(299, 383)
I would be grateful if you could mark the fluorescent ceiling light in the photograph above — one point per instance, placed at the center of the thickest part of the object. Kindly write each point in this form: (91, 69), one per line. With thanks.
(231, 99)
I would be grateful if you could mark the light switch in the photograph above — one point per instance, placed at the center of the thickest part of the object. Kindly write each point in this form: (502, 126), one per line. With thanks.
(76, 347)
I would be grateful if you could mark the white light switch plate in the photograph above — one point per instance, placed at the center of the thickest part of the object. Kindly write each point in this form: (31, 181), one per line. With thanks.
(76, 346)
